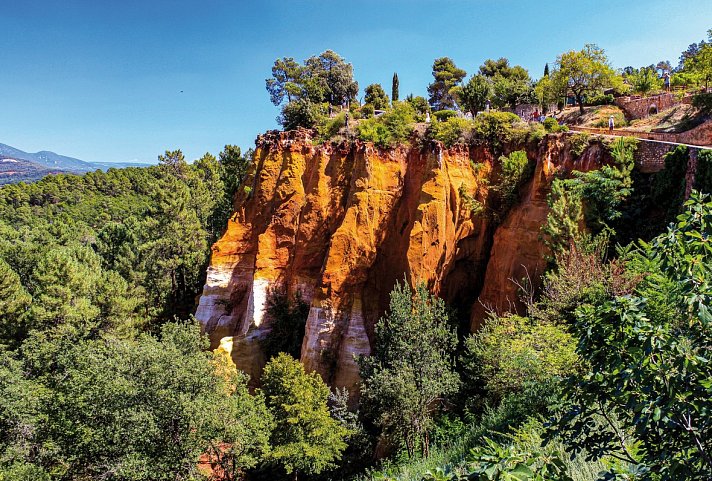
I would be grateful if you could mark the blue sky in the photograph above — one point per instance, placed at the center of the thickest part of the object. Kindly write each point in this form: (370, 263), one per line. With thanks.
(101, 80)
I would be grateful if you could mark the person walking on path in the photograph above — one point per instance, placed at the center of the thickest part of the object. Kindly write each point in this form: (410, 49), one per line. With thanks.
(611, 124)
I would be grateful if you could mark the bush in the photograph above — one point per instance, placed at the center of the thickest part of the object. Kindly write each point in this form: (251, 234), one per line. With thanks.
(444, 115)
(495, 128)
(421, 106)
(550, 124)
(515, 171)
(367, 111)
(703, 103)
(536, 132)
(668, 190)
(512, 350)
(607, 99)
(685, 79)
(301, 113)
(391, 128)
(579, 143)
(288, 320)
(469, 202)
(450, 131)
(703, 176)
(328, 128)
(648, 366)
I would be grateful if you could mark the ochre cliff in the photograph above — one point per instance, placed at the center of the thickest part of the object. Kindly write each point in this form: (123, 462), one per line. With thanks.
(341, 223)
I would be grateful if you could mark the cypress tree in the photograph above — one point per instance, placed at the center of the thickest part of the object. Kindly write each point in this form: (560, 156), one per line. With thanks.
(394, 89)
(546, 70)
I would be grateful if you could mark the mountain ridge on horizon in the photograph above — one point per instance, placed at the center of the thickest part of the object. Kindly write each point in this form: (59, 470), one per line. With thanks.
(17, 165)
(54, 160)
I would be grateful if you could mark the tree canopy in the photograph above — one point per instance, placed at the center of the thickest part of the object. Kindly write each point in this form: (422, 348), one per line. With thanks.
(411, 368)
(648, 369)
(302, 89)
(586, 72)
(447, 76)
(376, 96)
(127, 409)
(475, 94)
(306, 439)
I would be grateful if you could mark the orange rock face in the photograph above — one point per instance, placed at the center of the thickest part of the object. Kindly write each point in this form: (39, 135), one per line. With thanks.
(342, 223)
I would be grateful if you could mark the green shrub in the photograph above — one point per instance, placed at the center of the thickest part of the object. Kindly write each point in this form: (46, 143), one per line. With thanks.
(606, 99)
(668, 190)
(685, 79)
(301, 113)
(552, 125)
(703, 176)
(328, 128)
(389, 129)
(20, 471)
(444, 115)
(421, 106)
(288, 320)
(512, 350)
(495, 128)
(367, 111)
(515, 171)
(525, 456)
(473, 205)
(647, 358)
(579, 143)
(450, 131)
(536, 132)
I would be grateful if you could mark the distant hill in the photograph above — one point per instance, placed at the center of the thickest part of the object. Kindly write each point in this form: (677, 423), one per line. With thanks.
(17, 165)
(18, 170)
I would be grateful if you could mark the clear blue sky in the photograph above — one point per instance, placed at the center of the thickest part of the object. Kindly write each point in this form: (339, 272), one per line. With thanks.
(101, 79)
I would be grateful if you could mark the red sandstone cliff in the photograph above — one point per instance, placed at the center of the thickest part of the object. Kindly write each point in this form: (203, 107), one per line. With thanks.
(341, 223)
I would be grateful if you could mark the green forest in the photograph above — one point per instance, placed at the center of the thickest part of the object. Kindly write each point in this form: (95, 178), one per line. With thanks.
(105, 375)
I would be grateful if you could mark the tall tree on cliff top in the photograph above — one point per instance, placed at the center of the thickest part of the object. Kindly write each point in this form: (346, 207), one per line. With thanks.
(394, 88)
(510, 84)
(447, 77)
(326, 78)
(334, 76)
(411, 369)
(587, 72)
(286, 81)
(306, 439)
(475, 93)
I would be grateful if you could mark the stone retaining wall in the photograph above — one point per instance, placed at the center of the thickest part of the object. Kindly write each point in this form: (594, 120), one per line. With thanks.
(649, 157)
(640, 108)
(699, 136)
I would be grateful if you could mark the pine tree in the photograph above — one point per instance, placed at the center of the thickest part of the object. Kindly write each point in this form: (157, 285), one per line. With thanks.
(411, 370)
(306, 439)
(394, 88)
(14, 301)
